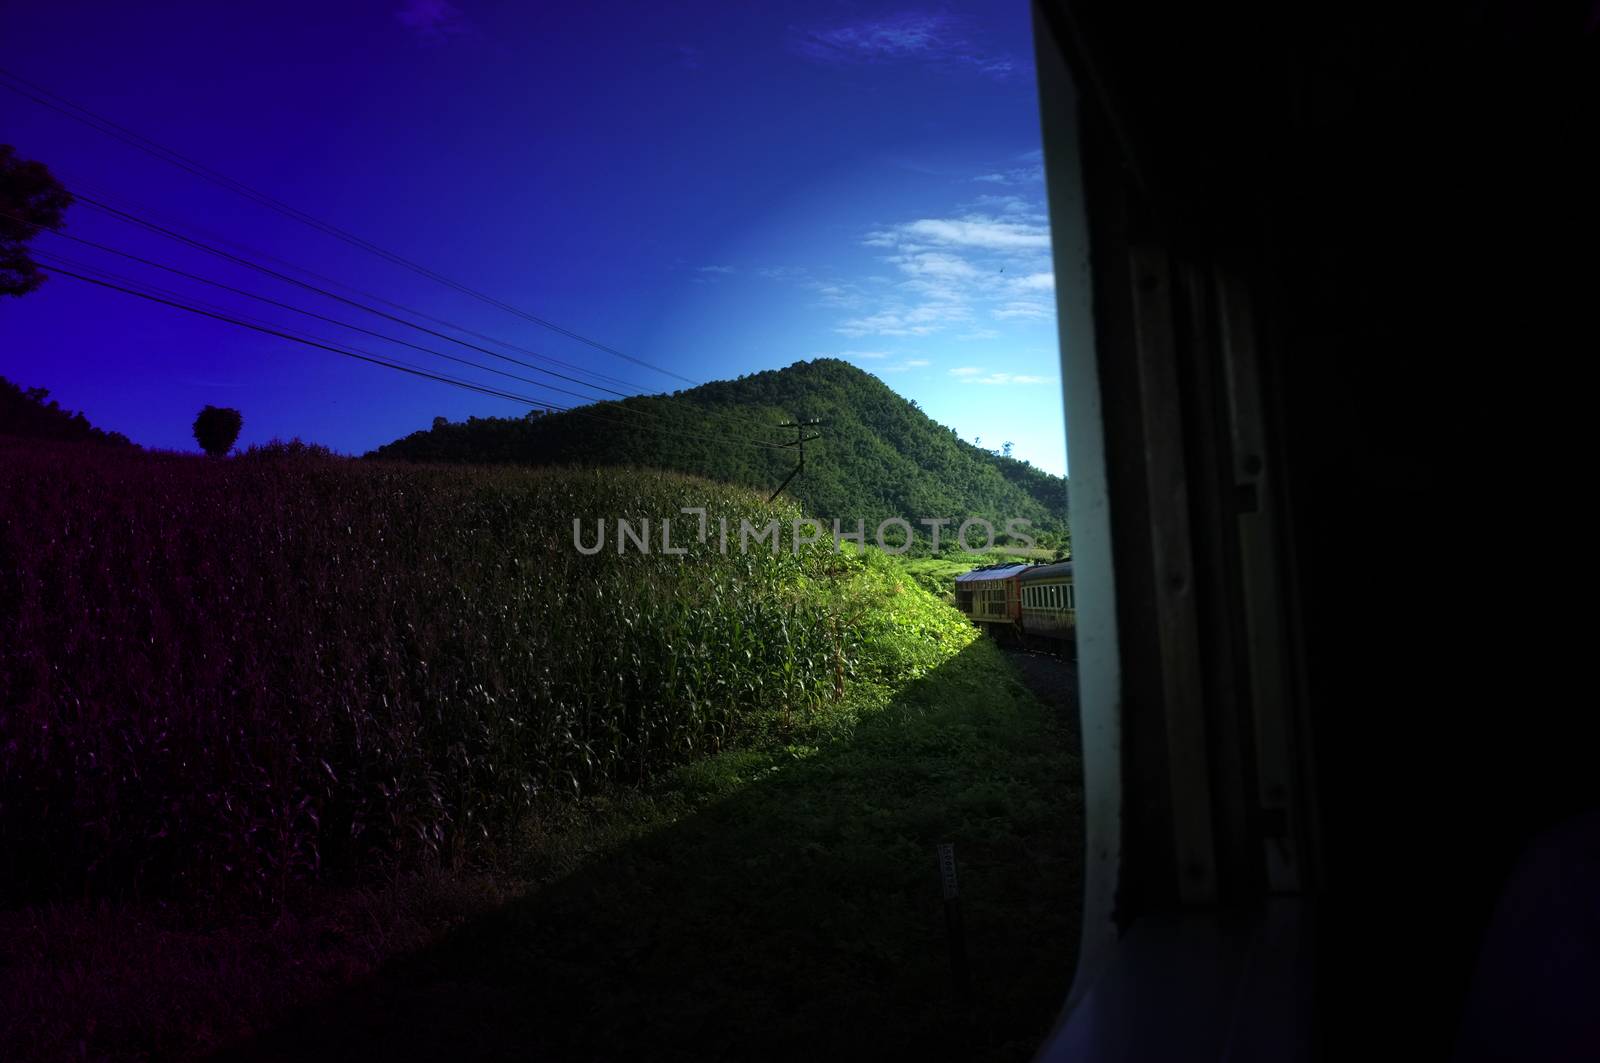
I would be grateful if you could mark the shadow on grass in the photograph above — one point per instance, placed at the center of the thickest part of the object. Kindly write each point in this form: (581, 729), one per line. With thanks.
(794, 912)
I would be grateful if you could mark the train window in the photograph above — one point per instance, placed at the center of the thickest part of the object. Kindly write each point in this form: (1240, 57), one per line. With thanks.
(943, 247)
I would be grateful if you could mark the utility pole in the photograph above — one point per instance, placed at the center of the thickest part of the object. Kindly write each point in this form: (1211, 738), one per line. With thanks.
(800, 440)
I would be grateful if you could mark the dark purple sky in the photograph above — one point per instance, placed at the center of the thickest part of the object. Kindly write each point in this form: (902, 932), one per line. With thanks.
(714, 188)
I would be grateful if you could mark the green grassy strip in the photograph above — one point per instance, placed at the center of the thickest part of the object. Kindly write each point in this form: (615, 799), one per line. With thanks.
(780, 902)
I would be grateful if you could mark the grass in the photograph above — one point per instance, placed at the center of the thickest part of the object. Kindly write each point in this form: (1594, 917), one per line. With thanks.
(776, 901)
(937, 575)
(132, 981)
(773, 903)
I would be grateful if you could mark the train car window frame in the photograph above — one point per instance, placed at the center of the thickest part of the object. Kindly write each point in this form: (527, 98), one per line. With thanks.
(1098, 645)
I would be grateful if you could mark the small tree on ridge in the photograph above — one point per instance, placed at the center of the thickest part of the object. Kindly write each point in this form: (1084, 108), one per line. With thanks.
(216, 429)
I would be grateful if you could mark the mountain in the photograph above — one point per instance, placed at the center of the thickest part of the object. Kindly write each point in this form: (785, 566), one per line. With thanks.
(25, 412)
(879, 455)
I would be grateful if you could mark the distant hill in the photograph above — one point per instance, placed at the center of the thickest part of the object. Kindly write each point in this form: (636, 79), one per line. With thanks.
(32, 414)
(879, 456)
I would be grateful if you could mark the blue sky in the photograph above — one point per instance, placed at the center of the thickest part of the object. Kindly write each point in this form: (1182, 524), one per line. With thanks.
(714, 188)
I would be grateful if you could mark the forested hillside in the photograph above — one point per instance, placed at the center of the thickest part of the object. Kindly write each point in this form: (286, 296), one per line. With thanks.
(879, 456)
(32, 414)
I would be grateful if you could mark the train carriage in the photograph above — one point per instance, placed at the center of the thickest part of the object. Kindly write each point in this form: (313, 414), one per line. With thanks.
(1031, 604)
(1049, 601)
(991, 595)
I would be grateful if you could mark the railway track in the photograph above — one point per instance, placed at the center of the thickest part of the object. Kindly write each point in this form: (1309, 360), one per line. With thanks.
(1052, 678)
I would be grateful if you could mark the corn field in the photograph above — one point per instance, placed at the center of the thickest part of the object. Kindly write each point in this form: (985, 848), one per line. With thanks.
(225, 677)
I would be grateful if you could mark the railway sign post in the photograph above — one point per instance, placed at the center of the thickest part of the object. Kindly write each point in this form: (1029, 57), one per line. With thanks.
(960, 978)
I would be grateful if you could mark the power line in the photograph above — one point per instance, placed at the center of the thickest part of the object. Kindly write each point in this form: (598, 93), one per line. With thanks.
(799, 441)
(134, 210)
(269, 271)
(345, 324)
(82, 114)
(387, 362)
(320, 317)
(148, 211)
(234, 317)
(174, 235)
(105, 125)
(635, 411)
(244, 322)
(308, 313)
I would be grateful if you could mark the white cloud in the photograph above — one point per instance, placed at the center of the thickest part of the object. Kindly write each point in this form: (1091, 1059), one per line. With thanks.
(842, 295)
(974, 230)
(1022, 308)
(929, 38)
(901, 367)
(904, 321)
(934, 264)
(1015, 205)
(877, 357)
(1009, 378)
(1017, 175)
(954, 268)
(966, 370)
(717, 269)
(431, 19)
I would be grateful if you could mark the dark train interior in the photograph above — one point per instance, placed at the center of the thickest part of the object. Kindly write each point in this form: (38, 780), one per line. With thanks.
(1324, 407)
